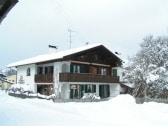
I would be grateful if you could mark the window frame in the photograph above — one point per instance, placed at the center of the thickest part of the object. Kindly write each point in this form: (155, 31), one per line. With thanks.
(28, 72)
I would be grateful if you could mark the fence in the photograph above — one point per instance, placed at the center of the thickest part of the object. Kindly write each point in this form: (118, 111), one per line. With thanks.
(158, 100)
(79, 100)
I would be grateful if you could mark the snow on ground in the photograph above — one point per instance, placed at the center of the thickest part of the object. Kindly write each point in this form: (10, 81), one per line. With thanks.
(119, 111)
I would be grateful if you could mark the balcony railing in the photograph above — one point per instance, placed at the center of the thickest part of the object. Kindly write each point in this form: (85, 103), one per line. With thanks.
(44, 78)
(75, 77)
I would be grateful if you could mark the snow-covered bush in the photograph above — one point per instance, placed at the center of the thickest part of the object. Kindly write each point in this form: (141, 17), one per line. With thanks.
(20, 88)
(91, 96)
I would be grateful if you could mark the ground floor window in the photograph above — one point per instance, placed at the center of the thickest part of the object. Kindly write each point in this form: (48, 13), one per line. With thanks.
(90, 88)
(45, 89)
(77, 90)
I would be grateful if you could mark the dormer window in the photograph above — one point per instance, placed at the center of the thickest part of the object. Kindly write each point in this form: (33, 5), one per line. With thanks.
(28, 72)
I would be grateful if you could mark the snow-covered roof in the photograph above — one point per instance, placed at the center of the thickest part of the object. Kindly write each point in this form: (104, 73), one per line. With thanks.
(129, 85)
(4, 80)
(52, 56)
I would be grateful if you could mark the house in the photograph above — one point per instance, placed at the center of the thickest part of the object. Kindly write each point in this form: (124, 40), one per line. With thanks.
(5, 7)
(11, 78)
(73, 73)
(2, 76)
(4, 83)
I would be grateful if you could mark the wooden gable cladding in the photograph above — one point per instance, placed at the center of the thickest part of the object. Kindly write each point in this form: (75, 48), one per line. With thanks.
(99, 55)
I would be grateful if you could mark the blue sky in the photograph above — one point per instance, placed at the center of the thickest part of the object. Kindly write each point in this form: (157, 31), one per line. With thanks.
(118, 24)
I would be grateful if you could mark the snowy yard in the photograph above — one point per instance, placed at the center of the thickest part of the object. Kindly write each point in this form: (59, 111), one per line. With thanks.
(119, 111)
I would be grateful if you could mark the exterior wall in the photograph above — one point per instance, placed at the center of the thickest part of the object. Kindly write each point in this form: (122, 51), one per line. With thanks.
(114, 89)
(22, 75)
(1, 83)
(6, 85)
(97, 89)
(65, 91)
(12, 78)
(93, 70)
(65, 88)
(119, 72)
(60, 67)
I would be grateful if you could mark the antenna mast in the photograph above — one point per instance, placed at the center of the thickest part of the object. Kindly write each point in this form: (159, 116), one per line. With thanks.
(70, 37)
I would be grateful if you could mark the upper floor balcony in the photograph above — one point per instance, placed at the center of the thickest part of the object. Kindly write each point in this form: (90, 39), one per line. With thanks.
(44, 78)
(77, 77)
(96, 78)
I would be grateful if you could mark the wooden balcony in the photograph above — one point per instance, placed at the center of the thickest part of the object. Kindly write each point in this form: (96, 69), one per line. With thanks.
(44, 78)
(75, 77)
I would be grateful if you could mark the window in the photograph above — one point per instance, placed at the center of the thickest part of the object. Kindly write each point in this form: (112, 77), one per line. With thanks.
(75, 68)
(39, 70)
(84, 69)
(49, 70)
(28, 71)
(90, 88)
(114, 72)
(79, 68)
(103, 71)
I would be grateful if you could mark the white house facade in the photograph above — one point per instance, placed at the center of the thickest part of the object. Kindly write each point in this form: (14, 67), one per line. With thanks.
(73, 73)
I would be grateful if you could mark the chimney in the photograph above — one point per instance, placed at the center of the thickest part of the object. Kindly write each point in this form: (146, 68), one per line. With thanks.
(52, 49)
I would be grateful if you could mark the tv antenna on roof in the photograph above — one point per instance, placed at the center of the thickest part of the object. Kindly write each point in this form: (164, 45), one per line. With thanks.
(70, 37)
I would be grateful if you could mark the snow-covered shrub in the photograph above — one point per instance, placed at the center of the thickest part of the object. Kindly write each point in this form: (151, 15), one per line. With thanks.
(20, 88)
(91, 96)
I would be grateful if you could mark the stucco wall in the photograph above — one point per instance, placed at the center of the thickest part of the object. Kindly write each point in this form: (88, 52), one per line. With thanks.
(119, 72)
(65, 92)
(61, 67)
(65, 88)
(22, 73)
(11, 78)
(114, 89)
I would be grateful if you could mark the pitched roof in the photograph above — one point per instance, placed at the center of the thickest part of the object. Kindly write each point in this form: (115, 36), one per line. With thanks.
(7, 81)
(53, 56)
